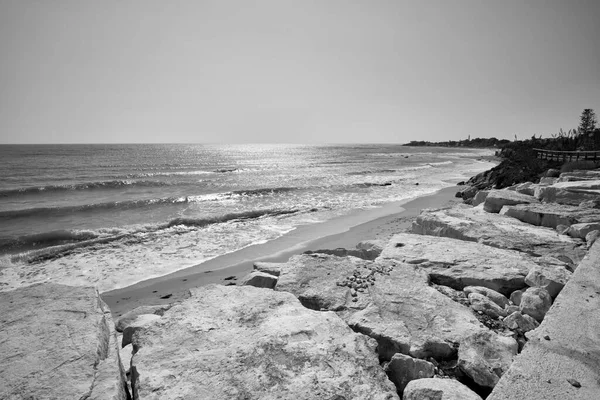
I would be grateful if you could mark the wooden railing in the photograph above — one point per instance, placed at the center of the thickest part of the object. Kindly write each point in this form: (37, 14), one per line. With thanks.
(567, 155)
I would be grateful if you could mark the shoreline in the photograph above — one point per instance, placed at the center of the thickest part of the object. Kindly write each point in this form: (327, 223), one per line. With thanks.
(367, 225)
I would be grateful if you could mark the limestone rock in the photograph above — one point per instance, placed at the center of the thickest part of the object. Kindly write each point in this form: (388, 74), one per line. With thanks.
(521, 322)
(572, 193)
(398, 309)
(58, 342)
(481, 303)
(259, 279)
(591, 238)
(233, 342)
(581, 230)
(126, 318)
(496, 199)
(459, 264)
(402, 369)
(438, 389)
(579, 175)
(516, 296)
(267, 267)
(480, 197)
(138, 323)
(526, 188)
(494, 296)
(485, 356)
(475, 225)
(551, 215)
(536, 302)
(551, 278)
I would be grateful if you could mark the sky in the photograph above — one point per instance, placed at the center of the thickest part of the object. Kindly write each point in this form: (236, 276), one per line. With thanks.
(304, 71)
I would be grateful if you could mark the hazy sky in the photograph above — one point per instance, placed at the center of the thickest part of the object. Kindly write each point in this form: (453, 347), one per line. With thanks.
(294, 71)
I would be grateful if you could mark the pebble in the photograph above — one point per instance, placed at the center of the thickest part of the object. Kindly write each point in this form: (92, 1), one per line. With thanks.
(574, 382)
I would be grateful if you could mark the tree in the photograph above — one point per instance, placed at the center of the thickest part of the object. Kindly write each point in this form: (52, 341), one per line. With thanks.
(588, 121)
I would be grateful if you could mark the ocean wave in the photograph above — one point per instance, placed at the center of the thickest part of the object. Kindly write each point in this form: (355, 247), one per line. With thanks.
(372, 172)
(82, 186)
(435, 164)
(58, 243)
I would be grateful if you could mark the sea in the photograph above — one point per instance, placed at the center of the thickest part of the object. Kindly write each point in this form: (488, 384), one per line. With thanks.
(112, 215)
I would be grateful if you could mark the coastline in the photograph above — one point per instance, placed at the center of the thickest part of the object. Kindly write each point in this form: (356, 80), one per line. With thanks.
(378, 224)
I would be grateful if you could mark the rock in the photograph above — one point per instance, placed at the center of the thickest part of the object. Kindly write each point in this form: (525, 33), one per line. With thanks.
(246, 342)
(572, 193)
(475, 225)
(590, 204)
(535, 302)
(494, 296)
(526, 188)
(551, 278)
(496, 199)
(137, 323)
(480, 197)
(126, 318)
(579, 175)
(467, 193)
(521, 322)
(591, 238)
(364, 250)
(547, 180)
(267, 267)
(581, 230)
(552, 173)
(438, 389)
(125, 353)
(551, 215)
(511, 308)
(458, 264)
(260, 280)
(485, 356)
(402, 369)
(516, 296)
(400, 310)
(58, 342)
(481, 303)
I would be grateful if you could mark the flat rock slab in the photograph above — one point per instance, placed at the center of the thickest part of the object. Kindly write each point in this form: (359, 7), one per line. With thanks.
(458, 264)
(251, 343)
(496, 199)
(399, 309)
(572, 193)
(475, 225)
(565, 349)
(551, 214)
(438, 389)
(58, 342)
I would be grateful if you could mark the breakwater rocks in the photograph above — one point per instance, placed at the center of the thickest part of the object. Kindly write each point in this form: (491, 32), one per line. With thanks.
(444, 311)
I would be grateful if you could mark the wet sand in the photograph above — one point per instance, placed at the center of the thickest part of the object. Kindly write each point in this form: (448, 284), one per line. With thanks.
(344, 232)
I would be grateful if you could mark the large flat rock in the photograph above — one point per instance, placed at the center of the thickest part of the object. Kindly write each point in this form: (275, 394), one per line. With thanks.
(58, 342)
(562, 358)
(252, 343)
(399, 309)
(496, 199)
(475, 225)
(579, 175)
(551, 214)
(457, 263)
(573, 192)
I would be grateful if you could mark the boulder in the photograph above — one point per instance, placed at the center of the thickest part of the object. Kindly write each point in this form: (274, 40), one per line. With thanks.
(483, 304)
(467, 193)
(581, 230)
(527, 188)
(485, 356)
(494, 296)
(496, 199)
(234, 342)
(551, 215)
(520, 322)
(267, 267)
(551, 278)
(58, 342)
(480, 197)
(438, 389)
(458, 264)
(126, 318)
(475, 225)
(396, 307)
(591, 238)
(135, 324)
(535, 302)
(259, 279)
(547, 180)
(572, 193)
(511, 308)
(516, 296)
(579, 175)
(552, 173)
(402, 369)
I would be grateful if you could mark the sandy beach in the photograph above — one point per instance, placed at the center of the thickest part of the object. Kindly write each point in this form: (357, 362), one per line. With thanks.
(229, 268)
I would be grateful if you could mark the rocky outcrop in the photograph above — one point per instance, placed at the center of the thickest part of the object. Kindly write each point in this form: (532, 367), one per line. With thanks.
(475, 225)
(438, 389)
(485, 356)
(535, 302)
(228, 342)
(496, 199)
(550, 214)
(389, 301)
(402, 369)
(458, 264)
(58, 342)
(259, 279)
